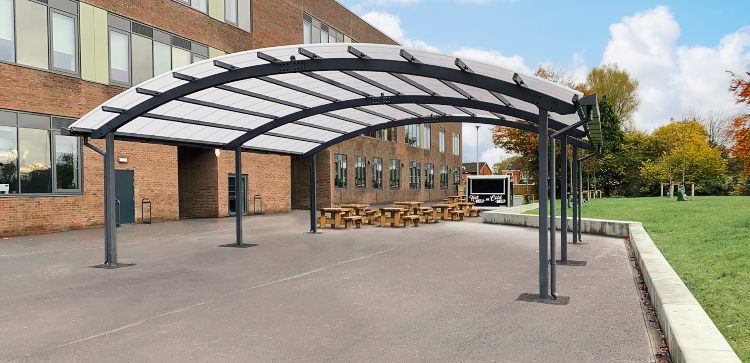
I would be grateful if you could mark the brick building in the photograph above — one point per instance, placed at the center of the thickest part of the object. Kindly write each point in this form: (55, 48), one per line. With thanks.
(61, 58)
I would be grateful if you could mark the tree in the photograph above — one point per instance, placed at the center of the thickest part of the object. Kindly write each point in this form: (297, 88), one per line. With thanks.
(618, 87)
(741, 88)
(686, 155)
(717, 125)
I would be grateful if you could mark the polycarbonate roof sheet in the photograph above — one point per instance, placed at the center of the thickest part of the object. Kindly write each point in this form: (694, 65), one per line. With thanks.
(226, 112)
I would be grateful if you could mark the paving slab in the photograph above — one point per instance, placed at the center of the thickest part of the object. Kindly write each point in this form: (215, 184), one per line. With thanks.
(437, 293)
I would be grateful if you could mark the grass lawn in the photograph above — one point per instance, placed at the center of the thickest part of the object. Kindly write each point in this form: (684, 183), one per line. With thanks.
(707, 241)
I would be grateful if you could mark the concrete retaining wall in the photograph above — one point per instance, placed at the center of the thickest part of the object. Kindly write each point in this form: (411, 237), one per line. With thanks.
(691, 335)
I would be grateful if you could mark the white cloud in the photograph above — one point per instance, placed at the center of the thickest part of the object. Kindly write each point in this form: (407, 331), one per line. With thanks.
(391, 25)
(674, 78)
(514, 62)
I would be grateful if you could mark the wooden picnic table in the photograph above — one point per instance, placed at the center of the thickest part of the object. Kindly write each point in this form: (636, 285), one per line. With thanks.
(391, 215)
(413, 206)
(335, 214)
(443, 209)
(357, 209)
(453, 199)
(465, 206)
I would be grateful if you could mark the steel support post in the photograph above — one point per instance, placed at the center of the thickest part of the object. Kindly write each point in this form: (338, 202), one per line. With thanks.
(313, 196)
(110, 218)
(552, 221)
(543, 192)
(580, 199)
(574, 193)
(239, 194)
(564, 200)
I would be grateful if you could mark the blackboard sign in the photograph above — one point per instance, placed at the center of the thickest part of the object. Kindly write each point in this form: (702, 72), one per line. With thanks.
(489, 190)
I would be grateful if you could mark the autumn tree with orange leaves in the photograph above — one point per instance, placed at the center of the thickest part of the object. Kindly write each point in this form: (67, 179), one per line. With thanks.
(740, 130)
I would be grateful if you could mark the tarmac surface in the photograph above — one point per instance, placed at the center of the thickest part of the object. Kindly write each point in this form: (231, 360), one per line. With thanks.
(445, 292)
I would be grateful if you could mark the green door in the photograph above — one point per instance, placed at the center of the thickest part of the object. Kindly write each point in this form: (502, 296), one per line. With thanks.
(124, 192)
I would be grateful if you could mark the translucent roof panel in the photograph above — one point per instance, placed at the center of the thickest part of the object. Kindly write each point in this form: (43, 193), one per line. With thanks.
(290, 99)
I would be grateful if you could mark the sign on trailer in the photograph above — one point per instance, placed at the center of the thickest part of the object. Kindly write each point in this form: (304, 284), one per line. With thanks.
(490, 191)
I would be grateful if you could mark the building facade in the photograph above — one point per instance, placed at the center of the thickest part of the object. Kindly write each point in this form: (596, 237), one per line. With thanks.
(61, 58)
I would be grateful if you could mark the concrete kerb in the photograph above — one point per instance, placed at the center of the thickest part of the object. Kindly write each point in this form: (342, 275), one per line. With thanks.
(691, 335)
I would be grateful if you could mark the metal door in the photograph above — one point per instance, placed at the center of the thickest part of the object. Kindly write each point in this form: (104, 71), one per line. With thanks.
(233, 195)
(125, 194)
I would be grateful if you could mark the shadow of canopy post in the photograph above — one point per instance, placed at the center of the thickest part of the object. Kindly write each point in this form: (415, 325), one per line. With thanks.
(298, 100)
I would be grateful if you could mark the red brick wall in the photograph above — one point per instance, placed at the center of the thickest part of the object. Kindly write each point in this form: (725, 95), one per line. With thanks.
(268, 176)
(198, 183)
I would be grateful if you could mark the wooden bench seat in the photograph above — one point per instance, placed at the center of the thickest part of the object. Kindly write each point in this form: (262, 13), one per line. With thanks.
(353, 220)
(457, 214)
(413, 219)
(474, 212)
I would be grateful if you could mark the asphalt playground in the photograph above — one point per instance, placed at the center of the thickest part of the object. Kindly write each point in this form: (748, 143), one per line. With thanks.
(447, 292)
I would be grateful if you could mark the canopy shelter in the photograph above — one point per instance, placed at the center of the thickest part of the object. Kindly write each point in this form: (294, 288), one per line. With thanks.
(298, 100)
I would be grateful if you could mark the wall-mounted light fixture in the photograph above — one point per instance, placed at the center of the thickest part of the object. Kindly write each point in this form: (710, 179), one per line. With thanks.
(217, 152)
(122, 160)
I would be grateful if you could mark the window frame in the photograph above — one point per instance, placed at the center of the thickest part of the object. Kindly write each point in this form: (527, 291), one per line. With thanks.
(392, 174)
(51, 133)
(360, 164)
(15, 34)
(55, 189)
(444, 172)
(76, 42)
(456, 144)
(109, 56)
(415, 175)
(429, 176)
(338, 168)
(236, 22)
(441, 141)
(377, 175)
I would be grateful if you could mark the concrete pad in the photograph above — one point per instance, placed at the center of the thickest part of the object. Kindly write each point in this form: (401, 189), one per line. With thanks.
(438, 293)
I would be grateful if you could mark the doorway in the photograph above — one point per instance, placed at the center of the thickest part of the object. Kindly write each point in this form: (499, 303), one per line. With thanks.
(233, 195)
(125, 194)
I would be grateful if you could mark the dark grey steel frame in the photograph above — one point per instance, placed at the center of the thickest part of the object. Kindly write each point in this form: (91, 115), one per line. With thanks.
(463, 75)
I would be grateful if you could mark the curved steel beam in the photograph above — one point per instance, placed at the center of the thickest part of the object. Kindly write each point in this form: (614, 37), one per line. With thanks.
(193, 85)
(391, 100)
(436, 119)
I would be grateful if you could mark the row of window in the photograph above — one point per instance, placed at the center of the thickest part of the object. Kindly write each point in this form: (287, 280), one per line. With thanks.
(235, 12)
(376, 167)
(35, 158)
(316, 31)
(79, 39)
(418, 136)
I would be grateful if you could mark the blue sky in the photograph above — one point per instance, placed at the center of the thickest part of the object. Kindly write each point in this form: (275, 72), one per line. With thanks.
(679, 51)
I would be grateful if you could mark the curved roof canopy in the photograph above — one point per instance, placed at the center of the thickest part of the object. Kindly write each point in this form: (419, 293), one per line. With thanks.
(300, 99)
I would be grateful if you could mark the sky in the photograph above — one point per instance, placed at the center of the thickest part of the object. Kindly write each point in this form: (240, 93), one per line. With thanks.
(678, 50)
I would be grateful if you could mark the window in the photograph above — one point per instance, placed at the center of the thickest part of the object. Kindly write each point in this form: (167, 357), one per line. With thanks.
(162, 58)
(317, 32)
(386, 134)
(143, 58)
(32, 47)
(415, 175)
(198, 58)
(429, 176)
(426, 138)
(441, 141)
(34, 159)
(411, 135)
(7, 32)
(8, 160)
(395, 174)
(360, 174)
(377, 173)
(119, 57)
(444, 177)
(456, 144)
(339, 170)
(230, 11)
(34, 163)
(307, 29)
(200, 5)
(67, 163)
(180, 57)
(64, 52)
